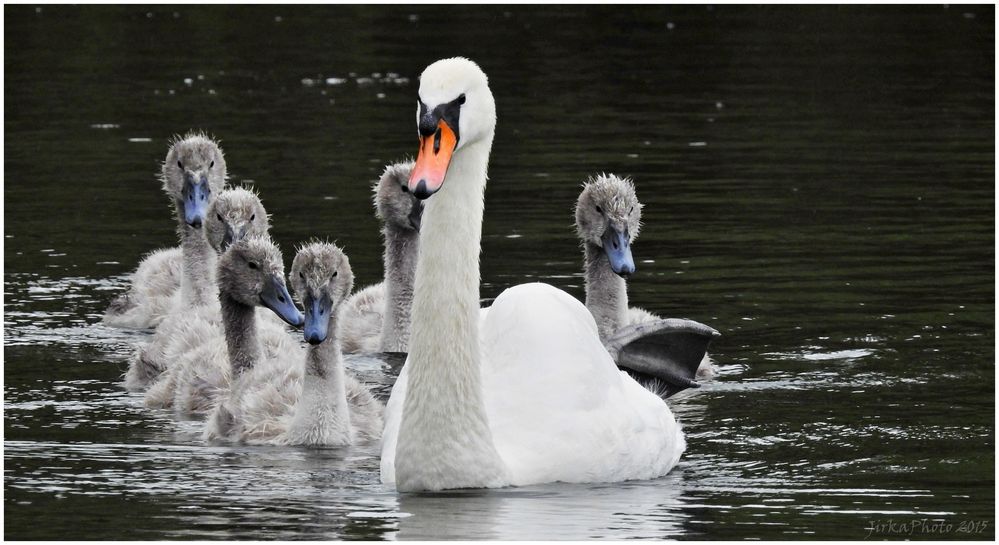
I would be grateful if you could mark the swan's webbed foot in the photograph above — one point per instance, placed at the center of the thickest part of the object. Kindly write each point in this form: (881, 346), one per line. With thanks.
(669, 351)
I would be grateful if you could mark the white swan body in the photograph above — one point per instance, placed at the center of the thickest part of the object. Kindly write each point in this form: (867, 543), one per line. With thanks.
(194, 167)
(533, 397)
(598, 425)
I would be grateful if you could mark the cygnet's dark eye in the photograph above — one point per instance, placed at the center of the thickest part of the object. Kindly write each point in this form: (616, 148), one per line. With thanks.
(461, 99)
(301, 275)
(251, 265)
(180, 165)
(253, 217)
(219, 216)
(404, 188)
(632, 210)
(212, 165)
(335, 273)
(600, 210)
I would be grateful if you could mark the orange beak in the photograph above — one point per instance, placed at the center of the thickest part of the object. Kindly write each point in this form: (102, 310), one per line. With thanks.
(432, 162)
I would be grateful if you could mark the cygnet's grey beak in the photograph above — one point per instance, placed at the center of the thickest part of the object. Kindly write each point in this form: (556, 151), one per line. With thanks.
(618, 250)
(195, 194)
(275, 296)
(416, 215)
(317, 318)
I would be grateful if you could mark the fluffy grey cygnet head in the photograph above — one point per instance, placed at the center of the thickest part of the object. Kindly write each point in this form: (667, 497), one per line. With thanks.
(251, 273)
(234, 215)
(193, 173)
(322, 279)
(608, 216)
(394, 204)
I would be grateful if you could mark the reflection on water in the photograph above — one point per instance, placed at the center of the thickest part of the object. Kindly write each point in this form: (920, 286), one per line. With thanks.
(818, 186)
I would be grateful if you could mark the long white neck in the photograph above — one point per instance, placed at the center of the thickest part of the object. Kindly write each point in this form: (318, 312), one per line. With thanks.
(401, 249)
(444, 437)
(322, 415)
(606, 292)
(197, 285)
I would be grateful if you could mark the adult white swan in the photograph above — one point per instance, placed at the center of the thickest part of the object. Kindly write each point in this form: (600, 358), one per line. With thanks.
(533, 396)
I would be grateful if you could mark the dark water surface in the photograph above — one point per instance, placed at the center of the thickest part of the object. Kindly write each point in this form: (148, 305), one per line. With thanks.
(818, 186)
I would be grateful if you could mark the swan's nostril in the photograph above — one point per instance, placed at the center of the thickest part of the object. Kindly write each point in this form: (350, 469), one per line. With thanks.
(437, 141)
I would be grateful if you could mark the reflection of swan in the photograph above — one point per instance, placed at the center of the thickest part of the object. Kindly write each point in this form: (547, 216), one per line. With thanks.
(608, 218)
(538, 399)
(234, 214)
(553, 512)
(171, 279)
(376, 319)
(268, 399)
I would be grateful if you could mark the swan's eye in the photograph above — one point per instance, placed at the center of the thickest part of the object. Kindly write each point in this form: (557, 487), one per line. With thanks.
(252, 265)
(404, 188)
(461, 99)
(599, 210)
(219, 216)
(335, 273)
(180, 165)
(301, 275)
(212, 165)
(632, 210)
(253, 217)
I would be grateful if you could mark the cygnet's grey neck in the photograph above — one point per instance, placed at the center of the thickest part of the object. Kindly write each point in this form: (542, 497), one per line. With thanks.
(240, 324)
(197, 286)
(322, 415)
(606, 292)
(324, 360)
(401, 250)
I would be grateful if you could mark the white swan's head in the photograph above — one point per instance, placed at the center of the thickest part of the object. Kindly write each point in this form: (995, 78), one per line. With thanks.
(251, 272)
(233, 215)
(193, 173)
(455, 109)
(322, 279)
(394, 204)
(609, 216)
